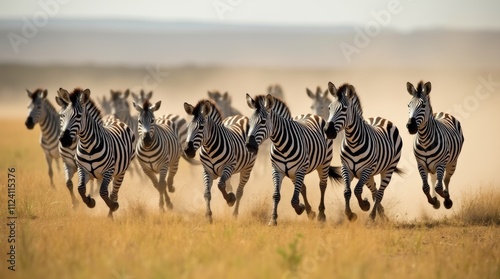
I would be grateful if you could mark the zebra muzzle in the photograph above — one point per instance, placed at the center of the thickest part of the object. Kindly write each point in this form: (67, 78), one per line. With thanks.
(412, 126)
(189, 150)
(252, 145)
(330, 131)
(29, 123)
(65, 139)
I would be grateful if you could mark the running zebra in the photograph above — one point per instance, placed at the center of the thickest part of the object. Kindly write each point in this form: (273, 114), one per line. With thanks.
(369, 148)
(320, 102)
(299, 147)
(159, 147)
(104, 149)
(438, 144)
(41, 111)
(222, 151)
(224, 103)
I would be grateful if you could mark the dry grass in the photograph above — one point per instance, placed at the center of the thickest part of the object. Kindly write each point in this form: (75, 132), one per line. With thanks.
(54, 241)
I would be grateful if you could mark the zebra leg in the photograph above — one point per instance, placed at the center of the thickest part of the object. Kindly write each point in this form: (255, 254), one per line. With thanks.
(373, 188)
(152, 176)
(113, 198)
(425, 187)
(311, 214)
(208, 180)
(229, 197)
(385, 179)
(162, 188)
(358, 189)
(48, 158)
(322, 187)
(277, 179)
(172, 170)
(83, 178)
(103, 191)
(68, 173)
(439, 185)
(244, 176)
(450, 170)
(299, 181)
(351, 216)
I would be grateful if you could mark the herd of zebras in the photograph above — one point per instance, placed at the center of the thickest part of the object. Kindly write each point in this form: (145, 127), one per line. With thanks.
(99, 141)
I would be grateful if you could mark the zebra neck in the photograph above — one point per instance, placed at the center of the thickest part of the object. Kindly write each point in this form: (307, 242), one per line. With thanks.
(427, 133)
(355, 129)
(213, 133)
(92, 134)
(50, 124)
(281, 131)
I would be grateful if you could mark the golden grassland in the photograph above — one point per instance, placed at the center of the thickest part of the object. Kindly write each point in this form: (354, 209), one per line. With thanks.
(55, 241)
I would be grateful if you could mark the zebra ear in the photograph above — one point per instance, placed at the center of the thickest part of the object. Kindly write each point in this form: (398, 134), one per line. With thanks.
(29, 93)
(310, 93)
(64, 95)
(137, 107)
(269, 103)
(351, 91)
(135, 98)
(226, 97)
(61, 102)
(332, 89)
(85, 97)
(149, 95)
(156, 106)
(269, 89)
(427, 88)
(325, 94)
(188, 108)
(211, 95)
(206, 108)
(410, 88)
(125, 95)
(318, 90)
(250, 102)
(43, 94)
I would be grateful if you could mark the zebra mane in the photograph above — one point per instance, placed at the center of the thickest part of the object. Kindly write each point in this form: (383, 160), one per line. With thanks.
(348, 91)
(279, 106)
(145, 105)
(92, 108)
(216, 114)
(34, 94)
(421, 94)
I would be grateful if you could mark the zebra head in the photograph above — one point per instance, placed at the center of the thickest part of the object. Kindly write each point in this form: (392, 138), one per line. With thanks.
(259, 128)
(146, 121)
(105, 104)
(142, 97)
(196, 128)
(320, 102)
(36, 108)
(419, 107)
(341, 109)
(120, 107)
(73, 114)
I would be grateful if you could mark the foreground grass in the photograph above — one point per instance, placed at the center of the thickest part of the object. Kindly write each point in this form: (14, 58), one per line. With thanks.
(54, 241)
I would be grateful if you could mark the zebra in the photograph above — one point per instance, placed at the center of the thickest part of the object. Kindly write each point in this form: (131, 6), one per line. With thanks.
(321, 101)
(369, 148)
(105, 105)
(41, 111)
(159, 147)
(104, 149)
(223, 102)
(276, 91)
(222, 151)
(438, 144)
(299, 147)
(141, 97)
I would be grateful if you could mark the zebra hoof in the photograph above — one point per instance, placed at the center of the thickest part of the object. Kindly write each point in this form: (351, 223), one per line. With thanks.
(448, 203)
(300, 208)
(272, 223)
(352, 217)
(171, 189)
(312, 215)
(436, 204)
(364, 204)
(170, 206)
(114, 206)
(321, 217)
(231, 199)
(91, 203)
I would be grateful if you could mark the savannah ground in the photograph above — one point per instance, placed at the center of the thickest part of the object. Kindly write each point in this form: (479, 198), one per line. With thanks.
(55, 241)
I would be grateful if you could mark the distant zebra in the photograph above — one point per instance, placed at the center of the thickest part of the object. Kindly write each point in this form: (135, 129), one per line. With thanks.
(159, 147)
(320, 102)
(104, 149)
(41, 111)
(224, 103)
(141, 97)
(438, 144)
(276, 91)
(105, 105)
(222, 151)
(369, 148)
(299, 147)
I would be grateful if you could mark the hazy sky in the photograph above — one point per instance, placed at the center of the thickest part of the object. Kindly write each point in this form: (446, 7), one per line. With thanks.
(410, 14)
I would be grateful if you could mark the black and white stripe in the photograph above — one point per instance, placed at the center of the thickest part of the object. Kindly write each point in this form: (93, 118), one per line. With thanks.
(369, 148)
(104, 148)
(438, 144)
(299, 147)
(159, 147)
(222, 149)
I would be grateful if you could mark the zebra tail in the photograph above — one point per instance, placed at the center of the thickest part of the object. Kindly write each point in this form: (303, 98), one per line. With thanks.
(335, 174)
(192, 161)
(400, 172)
